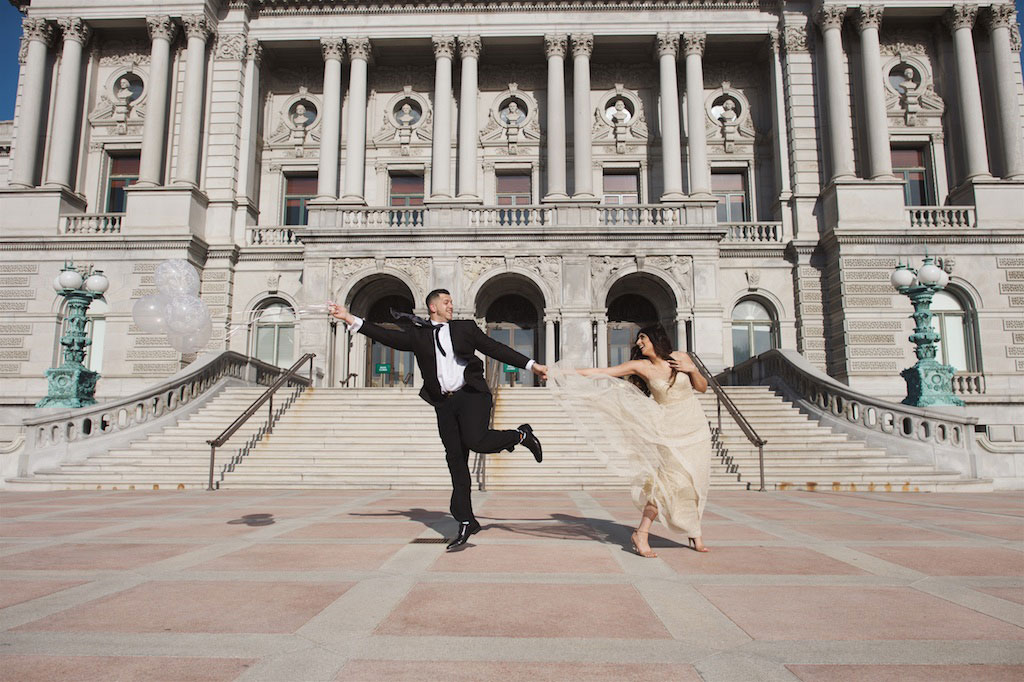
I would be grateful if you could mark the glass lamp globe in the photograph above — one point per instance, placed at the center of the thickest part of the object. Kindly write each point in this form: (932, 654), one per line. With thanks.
(902, 277)
(929, 274)
(57, 286)
(943, 279)
(97, 282)
(69, 279)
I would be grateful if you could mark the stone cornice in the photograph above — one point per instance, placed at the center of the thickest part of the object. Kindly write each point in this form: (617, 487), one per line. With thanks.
(844, 237)
(466, 6)
(391, 236)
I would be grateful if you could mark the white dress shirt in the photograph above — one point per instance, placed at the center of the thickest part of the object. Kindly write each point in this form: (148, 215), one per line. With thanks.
(451, 371)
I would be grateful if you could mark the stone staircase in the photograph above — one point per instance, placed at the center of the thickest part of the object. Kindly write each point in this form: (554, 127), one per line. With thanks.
(387, 438)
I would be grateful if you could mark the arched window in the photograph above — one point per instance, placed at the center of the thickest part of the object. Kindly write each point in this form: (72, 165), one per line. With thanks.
(754, 330)
(955, 324)
(274, 333)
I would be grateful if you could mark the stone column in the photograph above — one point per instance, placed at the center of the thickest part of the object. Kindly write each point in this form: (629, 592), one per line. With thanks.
(671, 144)
(681, 343)
(602, 341)
(66, 108)
(781, 137)
(830, 18)
(1001, 18)
(330, 127)
(250, 121)
(696, 140)
(549, 340)
(869, 19)
(39, 35)
(469, 51)
(583, 173)
(554, 46)
(441, 153)
(960, 19)
(359, 50)
(198, 31)
(154, 129)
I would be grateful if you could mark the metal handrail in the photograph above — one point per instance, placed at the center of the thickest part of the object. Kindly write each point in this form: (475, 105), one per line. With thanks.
(268, 395)
(722, 397)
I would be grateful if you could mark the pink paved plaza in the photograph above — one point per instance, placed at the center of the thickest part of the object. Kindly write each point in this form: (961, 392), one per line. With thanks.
(340, 585)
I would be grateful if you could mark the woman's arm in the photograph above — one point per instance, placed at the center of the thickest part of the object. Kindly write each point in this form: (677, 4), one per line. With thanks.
(624, 370)
(681, 362)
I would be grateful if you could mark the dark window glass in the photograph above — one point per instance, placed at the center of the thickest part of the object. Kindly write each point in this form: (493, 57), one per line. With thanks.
(621, 188)
(731, 189)
(406, 190)
(298, 190)
(124, 171)
(910, 165)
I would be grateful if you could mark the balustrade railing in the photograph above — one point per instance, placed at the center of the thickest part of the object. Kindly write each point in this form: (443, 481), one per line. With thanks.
(641, 216)
(756, 233)
(258, 235)
(951, 217)
(512, 216)
(91, 223)
(968, 383)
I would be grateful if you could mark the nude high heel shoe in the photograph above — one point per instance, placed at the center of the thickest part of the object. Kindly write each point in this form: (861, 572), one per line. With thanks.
(649, 554)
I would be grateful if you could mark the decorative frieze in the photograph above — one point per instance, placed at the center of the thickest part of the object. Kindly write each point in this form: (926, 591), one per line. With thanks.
(14, 281)
(22, 329)
(794, 39)
(873, 366)
(19, 268)
(887, 262)
(875, 352)
(869, 301)
(231, 47)
(13, 306)
(874, 325)
(868, 339)
(12, 341)
(1014, 324)
(856, 288)
(16, 355)
(9, 368)
(154, 368)
(1001, 262)
(862, 275)
(474, 266)
(1011, 287)
(1011, 352)
(13, 294)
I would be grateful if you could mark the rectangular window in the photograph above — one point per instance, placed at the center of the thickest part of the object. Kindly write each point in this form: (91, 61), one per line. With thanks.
(514, 190)
(124, 171)
(621, 188)
(298, 190)
(731, 189)
(910, 165)
(406, 189)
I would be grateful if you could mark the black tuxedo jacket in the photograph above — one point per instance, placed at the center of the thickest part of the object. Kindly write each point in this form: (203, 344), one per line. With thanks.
(467, 338)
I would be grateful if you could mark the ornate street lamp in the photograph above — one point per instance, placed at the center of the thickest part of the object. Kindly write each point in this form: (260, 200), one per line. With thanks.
(73, 384)
(929, 382)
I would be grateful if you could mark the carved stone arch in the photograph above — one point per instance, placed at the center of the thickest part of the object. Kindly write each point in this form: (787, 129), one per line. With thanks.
(547, 296)
(964, 289)
(658, 275)
(347, 293)
(256, 302)
(774, 302)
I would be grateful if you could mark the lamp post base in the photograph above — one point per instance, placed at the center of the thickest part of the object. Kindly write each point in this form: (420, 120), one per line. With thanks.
(69, 387)
(929, 383)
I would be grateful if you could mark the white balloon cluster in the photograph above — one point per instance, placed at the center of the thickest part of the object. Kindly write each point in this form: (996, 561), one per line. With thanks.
(176, 309)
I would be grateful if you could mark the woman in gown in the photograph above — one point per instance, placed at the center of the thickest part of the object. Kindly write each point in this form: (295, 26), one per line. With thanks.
(667, 439)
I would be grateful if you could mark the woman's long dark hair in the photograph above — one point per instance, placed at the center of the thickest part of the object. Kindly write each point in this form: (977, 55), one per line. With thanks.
(662, 348)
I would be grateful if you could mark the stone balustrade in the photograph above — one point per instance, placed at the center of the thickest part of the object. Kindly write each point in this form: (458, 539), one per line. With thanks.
(756, 233)
(941, 438)
(258, 235)
(91, 223)
(945, 217)
(969, 383)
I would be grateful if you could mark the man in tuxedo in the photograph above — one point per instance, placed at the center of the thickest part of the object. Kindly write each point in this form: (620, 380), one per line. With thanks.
(453, 382)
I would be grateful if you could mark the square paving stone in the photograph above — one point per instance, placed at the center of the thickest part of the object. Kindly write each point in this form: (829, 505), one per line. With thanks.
(378, 529)
(1014, 594)
(871, 531)
(524, 610)
(724, 560)
(93, 556)
(46, 529)
(1005, 531)
(540, 530)
(908, 673)
(512, 671)
(18, 591)
(273, 557)
(829, 613)
(953, 560)
(121, 668)
(528, 559)
(198, 606)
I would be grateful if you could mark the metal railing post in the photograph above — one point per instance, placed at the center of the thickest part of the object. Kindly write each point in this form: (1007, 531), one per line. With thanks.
(213, 454)
(760, 461)
(270, 413)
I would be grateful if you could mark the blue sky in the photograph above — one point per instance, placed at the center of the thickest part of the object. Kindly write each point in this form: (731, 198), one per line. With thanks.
(10, 33)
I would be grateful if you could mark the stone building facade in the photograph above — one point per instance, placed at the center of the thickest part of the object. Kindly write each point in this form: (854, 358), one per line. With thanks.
(746, 172)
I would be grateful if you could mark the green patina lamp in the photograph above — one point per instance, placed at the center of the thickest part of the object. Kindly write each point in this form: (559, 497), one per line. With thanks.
(73, 384)
(929, 382)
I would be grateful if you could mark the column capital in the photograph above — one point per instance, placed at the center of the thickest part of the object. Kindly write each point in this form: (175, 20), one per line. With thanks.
(444, 46)
(582, 44)
(254, 51)
(73, 28)
(37, 29)
(961, 15)
(196, 26)
(332, 48)
(869, 16)
(774, 41)
(470, 47)
(830, 16)
(359, 48)
(667, 44)
(555, 45)
(161, 27)
(794, 38)
(1002, 16)
(693, 43)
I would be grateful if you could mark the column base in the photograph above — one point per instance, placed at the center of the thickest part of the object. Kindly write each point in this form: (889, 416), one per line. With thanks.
(177, 210)
(864, 205)
(36, 211)
(672, 197)
(352, 200)
(555, 197)
(585, 197)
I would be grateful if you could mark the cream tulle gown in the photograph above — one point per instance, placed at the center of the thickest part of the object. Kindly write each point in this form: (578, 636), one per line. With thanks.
(666, 440)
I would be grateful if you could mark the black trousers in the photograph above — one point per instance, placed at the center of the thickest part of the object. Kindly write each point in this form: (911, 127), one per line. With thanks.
(462, 422)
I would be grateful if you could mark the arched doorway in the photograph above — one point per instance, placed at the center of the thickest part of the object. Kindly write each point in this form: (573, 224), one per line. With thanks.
(634, 302)
(755, 329)
(272, 336)
(512, 307)
(373, 363)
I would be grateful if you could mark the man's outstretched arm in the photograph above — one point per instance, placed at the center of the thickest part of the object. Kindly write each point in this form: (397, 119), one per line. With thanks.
(393, 338)
(501, 352)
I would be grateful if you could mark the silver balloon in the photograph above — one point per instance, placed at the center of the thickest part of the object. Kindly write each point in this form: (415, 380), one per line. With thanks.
(186, 314)
(191, 342)
(150, 313)
(176, 278)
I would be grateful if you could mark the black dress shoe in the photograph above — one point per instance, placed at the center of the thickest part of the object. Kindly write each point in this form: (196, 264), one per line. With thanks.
(531, 442)
(465, 530)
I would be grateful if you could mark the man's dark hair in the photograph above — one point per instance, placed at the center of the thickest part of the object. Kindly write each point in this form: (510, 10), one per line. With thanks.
(435, 294)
